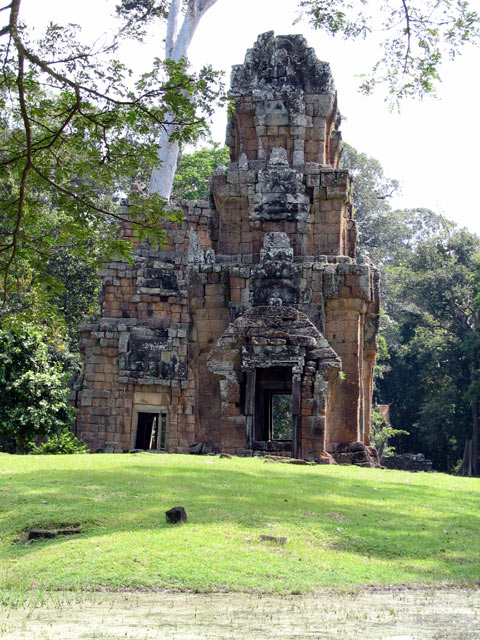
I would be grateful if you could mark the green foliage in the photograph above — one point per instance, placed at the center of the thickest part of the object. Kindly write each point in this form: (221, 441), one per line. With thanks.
(74, 126)
(64, 442)
(428, 365)
(383, 356)
(386, 236)
(281, 416)
(33, 390)
(372, 187)
(58, 288)
(194, 170)
(434, 377)
(417, 36)
(329, 515)
(140, 11)
(381, 432)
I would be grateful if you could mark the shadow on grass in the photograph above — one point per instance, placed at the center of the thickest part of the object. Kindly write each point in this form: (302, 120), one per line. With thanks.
(428, 523)
(351, 511)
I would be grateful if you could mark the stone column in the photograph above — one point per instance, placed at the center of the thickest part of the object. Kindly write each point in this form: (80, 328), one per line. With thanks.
(296, 413)
(250, 405)
(370, 348)
(369, 357)
(343, 331)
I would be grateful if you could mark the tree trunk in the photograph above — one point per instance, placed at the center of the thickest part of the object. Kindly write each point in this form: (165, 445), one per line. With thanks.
(475, 435)
(20, 444)
(176, 48)
(162, 177)
(469, 466)
(474, 408)
(465, 468)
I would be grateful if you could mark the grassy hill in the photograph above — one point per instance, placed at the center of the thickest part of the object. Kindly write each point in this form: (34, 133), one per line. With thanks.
(344, 525)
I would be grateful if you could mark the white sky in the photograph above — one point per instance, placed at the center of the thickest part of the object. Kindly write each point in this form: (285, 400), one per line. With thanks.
(432, 146)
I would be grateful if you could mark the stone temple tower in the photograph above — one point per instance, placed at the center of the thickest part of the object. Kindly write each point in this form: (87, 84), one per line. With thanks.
(232, 337)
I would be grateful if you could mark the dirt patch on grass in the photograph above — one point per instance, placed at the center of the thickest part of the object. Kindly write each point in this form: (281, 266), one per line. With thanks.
(420, 614)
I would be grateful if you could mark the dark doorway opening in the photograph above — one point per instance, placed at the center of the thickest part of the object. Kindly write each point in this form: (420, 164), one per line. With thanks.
(151, 431)
(273, 428)
(280, 408)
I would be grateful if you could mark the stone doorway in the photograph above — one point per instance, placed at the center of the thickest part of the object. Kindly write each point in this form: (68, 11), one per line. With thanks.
(281, 347)
(273, 425)
(151, 431)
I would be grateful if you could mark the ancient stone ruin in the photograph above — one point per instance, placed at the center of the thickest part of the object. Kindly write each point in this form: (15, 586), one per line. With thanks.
(407, 462)
(255, 328)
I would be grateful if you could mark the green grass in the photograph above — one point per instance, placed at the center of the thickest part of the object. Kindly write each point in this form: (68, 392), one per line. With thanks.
(344, 525)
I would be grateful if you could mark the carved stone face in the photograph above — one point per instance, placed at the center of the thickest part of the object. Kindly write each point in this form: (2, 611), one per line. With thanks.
(282, 196)
(285, 290)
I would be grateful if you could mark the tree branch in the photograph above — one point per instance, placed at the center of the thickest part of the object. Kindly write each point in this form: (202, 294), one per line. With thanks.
(172, 27)
(408, 32)
(26, 170)
(33, 58)
(49, 141)
(387, 195)
(204, 5)
(87, 203)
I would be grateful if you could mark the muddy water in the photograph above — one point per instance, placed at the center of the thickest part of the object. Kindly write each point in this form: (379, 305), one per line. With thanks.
(421, 614)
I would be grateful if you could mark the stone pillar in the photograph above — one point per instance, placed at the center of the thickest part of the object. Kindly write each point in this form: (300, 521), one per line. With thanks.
(297, 413)
(343, 331)
(369, 357)
(370, 348)
(250, 405)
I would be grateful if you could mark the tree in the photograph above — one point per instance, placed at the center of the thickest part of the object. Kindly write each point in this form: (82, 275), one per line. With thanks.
(429, 371)
(417, 36)
(33, 390)
(434, 382)
(194, 171)
(55, 286)
(74, 127)
(386, 235)
(177, 42)
(176, 48)
(446, 288)
(75, 123)
(382, 432)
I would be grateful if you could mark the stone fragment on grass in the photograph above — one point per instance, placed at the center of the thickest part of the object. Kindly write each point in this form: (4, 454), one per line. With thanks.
(280, 540)
(34, 534)
(176, 515)
(360, 456)
(200, 448)
(195, 448)
(355, 453)
(68, 532)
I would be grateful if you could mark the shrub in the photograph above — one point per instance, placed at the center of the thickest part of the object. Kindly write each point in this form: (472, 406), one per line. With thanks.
(381, 432)
(60, 443)
(33, 389)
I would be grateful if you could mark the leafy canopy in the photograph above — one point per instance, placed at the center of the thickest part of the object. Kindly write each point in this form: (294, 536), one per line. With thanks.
(415, 37)
(33, 389)
(194, 171)
(78, 132)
